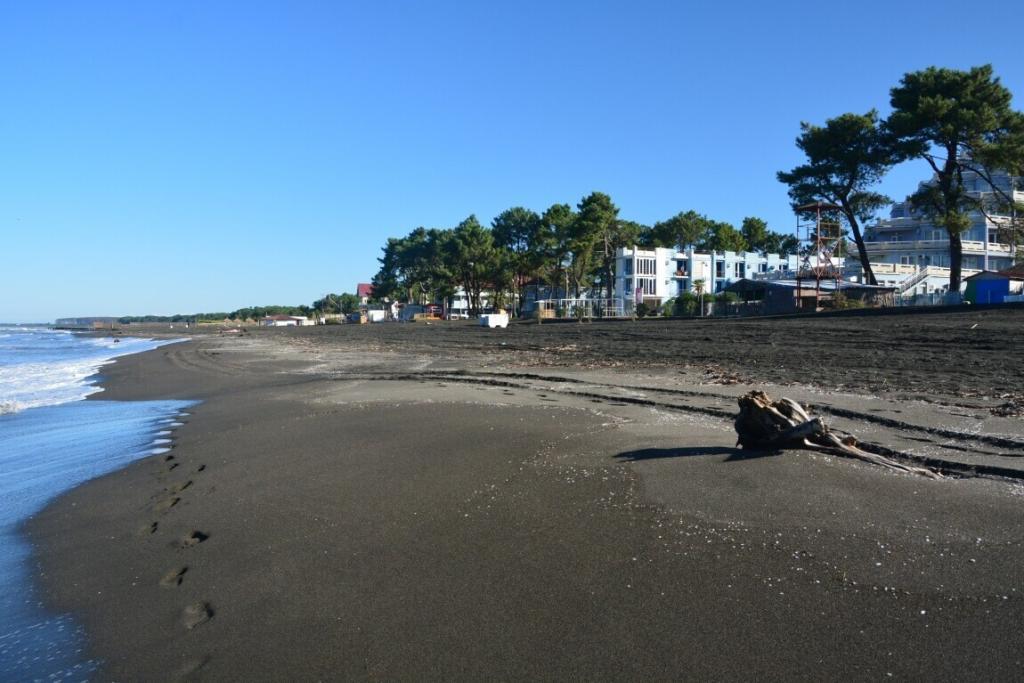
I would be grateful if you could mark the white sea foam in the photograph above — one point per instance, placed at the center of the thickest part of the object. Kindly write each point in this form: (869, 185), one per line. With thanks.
(46, 451)
(32, 385)
(40, 367)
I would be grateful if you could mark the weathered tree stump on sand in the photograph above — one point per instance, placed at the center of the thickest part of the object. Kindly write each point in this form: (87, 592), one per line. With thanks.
(764, 424)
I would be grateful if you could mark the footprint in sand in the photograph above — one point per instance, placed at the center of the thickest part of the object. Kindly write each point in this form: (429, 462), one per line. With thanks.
(193, 539)
(174, 577)
(166, 504)
(148, 529)
(172, 466)
(178, 488)
(196, 614)
(200, 468)
(189, 669)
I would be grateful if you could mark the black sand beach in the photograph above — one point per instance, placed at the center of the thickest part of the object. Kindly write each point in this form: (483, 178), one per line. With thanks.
(561, 501)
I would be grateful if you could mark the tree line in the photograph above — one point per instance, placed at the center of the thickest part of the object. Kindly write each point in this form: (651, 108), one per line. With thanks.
(329, 303)
(956, 121)
(566, 248)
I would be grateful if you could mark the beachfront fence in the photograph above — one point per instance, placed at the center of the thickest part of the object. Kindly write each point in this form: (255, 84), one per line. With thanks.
(583, 308)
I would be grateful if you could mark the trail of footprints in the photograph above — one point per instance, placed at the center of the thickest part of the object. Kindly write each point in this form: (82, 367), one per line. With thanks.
(198, 613)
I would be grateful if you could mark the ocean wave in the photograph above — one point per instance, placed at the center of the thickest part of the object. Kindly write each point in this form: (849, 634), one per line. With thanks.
(48, 382)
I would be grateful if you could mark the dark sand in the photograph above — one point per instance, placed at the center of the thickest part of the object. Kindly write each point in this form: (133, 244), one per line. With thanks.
(374, 502)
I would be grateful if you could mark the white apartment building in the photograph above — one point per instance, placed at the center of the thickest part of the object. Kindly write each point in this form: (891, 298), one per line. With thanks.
(663, 274)
(459, 303)
(911, 252)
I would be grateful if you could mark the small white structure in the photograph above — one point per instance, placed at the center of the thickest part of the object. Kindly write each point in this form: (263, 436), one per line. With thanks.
(376, 315)
(459, 303)
(494, 320)
(286, 321)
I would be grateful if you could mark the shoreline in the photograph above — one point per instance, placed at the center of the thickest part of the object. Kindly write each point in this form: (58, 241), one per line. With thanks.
(355, 524)
(54, 441)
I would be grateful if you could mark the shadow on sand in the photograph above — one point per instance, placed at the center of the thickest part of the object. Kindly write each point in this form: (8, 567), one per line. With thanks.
(735, 454)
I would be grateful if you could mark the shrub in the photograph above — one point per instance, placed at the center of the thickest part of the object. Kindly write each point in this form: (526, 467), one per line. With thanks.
(686, 304)
(842, 301)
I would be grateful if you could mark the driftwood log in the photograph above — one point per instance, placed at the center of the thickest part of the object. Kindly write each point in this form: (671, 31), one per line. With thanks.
(764, 424)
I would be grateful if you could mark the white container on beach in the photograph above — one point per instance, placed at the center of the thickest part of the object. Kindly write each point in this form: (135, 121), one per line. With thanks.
(494, 320)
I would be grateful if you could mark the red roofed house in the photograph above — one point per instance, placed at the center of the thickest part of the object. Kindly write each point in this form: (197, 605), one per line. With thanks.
(364, 290)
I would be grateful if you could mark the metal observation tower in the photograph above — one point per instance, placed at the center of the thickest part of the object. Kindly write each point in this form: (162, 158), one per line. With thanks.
(818, 228)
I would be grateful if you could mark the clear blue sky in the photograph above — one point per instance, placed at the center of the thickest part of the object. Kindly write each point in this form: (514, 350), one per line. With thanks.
(179, 157)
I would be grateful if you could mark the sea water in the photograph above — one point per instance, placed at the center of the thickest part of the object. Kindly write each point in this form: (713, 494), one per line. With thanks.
(51, 441)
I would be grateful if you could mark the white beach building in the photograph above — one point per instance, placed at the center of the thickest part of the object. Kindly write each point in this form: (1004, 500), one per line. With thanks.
(661, 274)
(286, 321)
(909, 251)
(458, 306)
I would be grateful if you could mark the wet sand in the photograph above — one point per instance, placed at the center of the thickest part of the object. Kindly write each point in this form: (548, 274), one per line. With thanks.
(379, 503)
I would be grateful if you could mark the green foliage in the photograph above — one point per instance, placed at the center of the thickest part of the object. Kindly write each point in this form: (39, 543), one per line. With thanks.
(337, 303)
(643, 309)
(686, 304)
(754, 231)
(594, 236)
(417, 268)
(556, 226)
(241, 314)
(776, 243)
(691, 229)
(723, 237)
(956, 121)
(845, 158)
(841, 301)
(517, 229)
(521, 235)
(727, 298)
(685, 229)
(474, 259)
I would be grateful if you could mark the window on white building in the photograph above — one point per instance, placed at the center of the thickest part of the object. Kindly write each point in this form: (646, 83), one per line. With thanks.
(645, 266)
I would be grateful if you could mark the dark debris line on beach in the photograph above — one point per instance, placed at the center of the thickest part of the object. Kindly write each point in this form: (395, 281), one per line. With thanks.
(527, 381)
